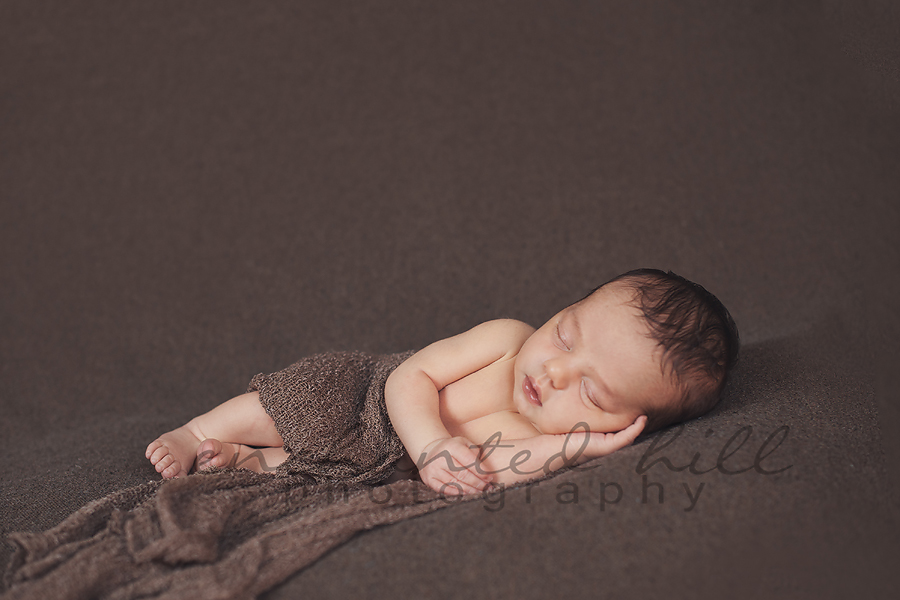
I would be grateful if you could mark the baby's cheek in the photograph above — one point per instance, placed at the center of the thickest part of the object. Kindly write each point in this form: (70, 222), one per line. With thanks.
(623, 422)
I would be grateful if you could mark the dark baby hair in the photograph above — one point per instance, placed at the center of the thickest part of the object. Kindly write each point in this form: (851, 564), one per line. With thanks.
(699, 338)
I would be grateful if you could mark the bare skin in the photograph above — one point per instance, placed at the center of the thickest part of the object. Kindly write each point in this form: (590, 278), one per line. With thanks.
(592, 364)
(237, 433)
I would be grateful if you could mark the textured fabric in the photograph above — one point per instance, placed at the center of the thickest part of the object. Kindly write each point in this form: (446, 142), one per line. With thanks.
(191, 191)
(228, 534)
(329, 409)
(235, 533)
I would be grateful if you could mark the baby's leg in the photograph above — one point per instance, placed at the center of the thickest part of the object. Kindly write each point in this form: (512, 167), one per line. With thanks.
(241, 420)
(213, 453)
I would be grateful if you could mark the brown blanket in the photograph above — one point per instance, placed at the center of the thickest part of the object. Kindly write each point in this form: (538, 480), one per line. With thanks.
(234, 533)
(330, 412)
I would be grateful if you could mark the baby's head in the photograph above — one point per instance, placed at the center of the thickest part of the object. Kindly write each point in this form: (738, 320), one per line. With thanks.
(698, 339)
(645, 343)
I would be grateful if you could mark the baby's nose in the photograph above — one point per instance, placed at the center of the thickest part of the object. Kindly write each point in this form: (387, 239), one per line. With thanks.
(558, 372)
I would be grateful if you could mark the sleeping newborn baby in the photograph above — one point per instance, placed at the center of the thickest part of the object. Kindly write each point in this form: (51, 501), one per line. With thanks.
(503, 402)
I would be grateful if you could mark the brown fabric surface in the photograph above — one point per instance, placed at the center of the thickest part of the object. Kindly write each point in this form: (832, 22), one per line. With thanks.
(194, 193)
(229, 534)
(330, 412)
(235, 533)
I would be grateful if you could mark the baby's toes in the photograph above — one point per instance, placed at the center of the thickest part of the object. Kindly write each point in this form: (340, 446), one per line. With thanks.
(173, 470)
(208, 450)
(153, 447)
(160, 453)
(164, 463)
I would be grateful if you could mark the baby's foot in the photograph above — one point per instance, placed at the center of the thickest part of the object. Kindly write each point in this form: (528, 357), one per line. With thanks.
(173, 453)
(213, 453)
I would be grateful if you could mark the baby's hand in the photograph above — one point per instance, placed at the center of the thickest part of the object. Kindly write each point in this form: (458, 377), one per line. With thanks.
(601, 444)
(449, 466)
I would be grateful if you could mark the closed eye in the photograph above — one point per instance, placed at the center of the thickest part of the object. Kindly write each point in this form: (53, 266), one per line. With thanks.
(587, 394)
(559, 337)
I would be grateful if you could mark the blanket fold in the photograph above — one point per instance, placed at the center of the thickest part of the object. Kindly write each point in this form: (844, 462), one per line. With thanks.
(233, 533)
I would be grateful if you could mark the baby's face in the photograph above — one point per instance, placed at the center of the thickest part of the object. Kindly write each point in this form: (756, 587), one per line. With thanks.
(594, 362)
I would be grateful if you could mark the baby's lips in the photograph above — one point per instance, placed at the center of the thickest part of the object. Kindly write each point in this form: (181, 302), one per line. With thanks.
(532, 391)
(537, 392)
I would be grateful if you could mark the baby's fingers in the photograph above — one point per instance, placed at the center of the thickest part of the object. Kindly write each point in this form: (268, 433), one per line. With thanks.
(462, 480)
(601, 444)
(452, 467)
(629, 434)
(471, 481)
(467, 462)
(457, 487)
(449, 484)
(456, 481)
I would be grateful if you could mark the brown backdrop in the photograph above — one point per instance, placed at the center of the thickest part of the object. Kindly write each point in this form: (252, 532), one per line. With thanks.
(193, 193)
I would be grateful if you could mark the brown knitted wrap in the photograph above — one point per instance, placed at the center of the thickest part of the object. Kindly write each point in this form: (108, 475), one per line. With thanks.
(233, 534)
(329, 409)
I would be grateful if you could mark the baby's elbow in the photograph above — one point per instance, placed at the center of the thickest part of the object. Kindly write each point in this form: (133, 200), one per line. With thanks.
(391, 385)
(406, 381)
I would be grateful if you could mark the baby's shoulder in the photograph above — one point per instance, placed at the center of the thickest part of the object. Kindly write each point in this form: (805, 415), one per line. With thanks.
(512, 331)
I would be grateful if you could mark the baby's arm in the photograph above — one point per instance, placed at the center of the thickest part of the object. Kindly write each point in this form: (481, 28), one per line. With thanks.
(516, 460)
(411, 394)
